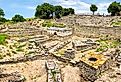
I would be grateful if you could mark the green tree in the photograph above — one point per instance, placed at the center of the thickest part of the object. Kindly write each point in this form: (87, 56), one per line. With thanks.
(114, 8)
(58, 11)
(18, 18)
(66, 12)
(2, 13)
(71, 10)
(44, 11)
(3, 20)
(93, 8)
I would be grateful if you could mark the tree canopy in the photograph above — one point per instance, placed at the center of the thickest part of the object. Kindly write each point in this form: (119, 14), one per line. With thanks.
(44, 10)
(2, 13)
(71, 10)
(47, 11)
(93, 8)
(18, 18)
(114, 8)
(2, 19)
(67, 11)
(58, 11)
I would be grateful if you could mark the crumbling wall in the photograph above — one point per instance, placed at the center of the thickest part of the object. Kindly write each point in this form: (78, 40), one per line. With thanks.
(88, 72)
(98, 31)
(91, 73)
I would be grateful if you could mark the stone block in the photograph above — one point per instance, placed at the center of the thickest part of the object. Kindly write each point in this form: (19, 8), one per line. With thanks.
(92, 65)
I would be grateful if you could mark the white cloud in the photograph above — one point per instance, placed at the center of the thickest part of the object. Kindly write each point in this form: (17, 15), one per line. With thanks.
(31, 7)
(84, 5)
(102, 7)
(79, 6)
(65, 3)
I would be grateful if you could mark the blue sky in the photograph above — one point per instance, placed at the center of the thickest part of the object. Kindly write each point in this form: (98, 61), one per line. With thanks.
(27, 7)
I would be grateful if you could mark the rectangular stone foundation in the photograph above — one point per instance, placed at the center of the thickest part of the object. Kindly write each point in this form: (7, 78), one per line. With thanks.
(89, 70)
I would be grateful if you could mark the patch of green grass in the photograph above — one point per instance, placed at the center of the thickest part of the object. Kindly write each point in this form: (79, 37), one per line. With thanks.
(116, 23)
(29, 53)
(3, 37)
(9, 22)
(106, 44)
(19, 50)
(48, 23)
(115, 43)
(21, 46)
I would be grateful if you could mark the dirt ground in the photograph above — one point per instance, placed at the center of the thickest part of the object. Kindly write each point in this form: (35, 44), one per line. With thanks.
(71, 74)
(35, 71)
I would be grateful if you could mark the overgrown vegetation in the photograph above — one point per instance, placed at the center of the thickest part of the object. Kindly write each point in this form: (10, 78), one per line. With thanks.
(19, 47)
(107, 44)
(49, 23)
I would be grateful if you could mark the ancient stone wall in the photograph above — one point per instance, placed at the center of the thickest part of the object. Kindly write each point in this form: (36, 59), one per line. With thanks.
(24, 59)
(98, 31)
(91, 73)
(88, 72)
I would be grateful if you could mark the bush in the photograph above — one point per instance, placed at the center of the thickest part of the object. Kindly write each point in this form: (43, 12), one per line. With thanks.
(18, 18)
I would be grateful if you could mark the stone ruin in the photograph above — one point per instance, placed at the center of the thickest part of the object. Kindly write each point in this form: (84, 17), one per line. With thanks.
(118, 59)
(54, 73)
(12, 77)
(92, 65)
(83, 45)
(69, 53)
(92, 26)
(81, 20)
(62, 32)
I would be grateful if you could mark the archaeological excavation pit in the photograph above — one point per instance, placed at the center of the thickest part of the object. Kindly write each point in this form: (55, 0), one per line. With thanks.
(92, 59)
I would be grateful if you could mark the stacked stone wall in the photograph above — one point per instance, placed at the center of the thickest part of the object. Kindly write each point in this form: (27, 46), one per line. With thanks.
(98, 31)
(91, 73)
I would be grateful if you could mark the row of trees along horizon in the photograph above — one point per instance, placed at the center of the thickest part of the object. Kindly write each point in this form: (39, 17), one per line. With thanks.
(48, 11)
